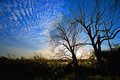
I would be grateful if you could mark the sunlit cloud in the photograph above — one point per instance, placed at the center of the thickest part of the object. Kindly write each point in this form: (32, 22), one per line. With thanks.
(45, 53)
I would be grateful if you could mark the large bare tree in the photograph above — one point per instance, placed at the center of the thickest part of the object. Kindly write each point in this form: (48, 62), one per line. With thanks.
(99, 19)
(67, 36)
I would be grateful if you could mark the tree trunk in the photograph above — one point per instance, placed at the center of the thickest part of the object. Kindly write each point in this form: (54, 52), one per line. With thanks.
(75, 61)
(101, 62)
(99, 57)
(97, 49)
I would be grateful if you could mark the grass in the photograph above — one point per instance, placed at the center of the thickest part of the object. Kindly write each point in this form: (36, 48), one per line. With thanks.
(38, 68)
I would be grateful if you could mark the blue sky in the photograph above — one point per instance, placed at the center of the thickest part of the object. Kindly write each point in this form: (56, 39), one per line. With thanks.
(24, 25)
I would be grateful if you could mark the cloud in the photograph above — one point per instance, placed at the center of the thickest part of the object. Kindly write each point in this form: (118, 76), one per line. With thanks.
(22, 11)
(15, 4)
(27, 23)
(45, 53)
(9, 9)
(31, 11)
(18, 14)
(14, 16)
(30, 7)
(27, 12)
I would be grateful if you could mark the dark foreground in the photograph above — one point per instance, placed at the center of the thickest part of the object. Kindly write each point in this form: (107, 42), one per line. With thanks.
(38, 68)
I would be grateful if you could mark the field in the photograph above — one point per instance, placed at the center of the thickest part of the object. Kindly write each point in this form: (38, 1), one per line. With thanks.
(38, 68)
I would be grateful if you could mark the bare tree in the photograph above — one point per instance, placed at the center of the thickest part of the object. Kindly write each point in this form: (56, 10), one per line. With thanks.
(67, 36)
(62, 54)
(99, 19)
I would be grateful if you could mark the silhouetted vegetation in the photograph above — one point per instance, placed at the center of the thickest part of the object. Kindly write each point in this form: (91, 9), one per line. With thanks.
(111, 60)
(38, 68)
(98, 21)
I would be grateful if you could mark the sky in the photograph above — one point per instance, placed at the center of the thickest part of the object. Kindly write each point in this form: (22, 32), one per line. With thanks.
(24, 25)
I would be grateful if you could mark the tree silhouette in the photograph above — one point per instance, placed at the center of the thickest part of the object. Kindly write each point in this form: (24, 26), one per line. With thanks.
(68, 36)
(99, 19)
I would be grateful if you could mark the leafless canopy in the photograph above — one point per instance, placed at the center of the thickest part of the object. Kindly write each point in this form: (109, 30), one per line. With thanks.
(99, 18)
(68, 35)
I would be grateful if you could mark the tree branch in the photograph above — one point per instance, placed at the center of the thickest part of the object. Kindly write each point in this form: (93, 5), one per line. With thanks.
(111, 37)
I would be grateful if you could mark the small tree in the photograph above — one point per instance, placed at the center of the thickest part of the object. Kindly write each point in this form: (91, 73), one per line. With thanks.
(67, 36)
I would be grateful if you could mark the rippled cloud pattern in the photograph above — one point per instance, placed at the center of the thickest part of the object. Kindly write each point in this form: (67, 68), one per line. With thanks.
(24, 23)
